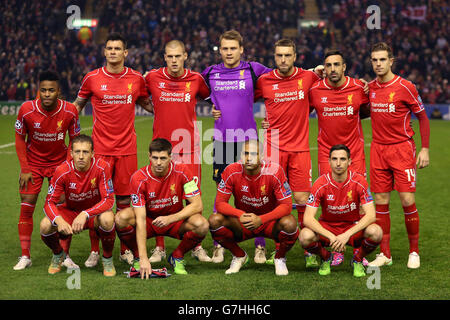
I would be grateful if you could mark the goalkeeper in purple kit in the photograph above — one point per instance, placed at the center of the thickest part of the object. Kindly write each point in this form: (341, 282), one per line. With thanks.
(232, 85)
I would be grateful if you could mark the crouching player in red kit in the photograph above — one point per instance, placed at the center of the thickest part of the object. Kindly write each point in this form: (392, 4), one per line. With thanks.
(340, 193)
(158, 192)
(262, 208)
(89, 197)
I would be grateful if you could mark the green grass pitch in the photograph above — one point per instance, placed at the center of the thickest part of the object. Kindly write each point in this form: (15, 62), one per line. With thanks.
(254, 282)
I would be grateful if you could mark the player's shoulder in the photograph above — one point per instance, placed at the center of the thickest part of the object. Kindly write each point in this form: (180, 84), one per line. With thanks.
(322, 180)
(63, 169)
(405, 83)
(134, 73)
(267, 76)
(356, 83)
(271, 168)
(141, 174)
(373, 84)
(318, 86)
(358, 178)
(101, 164)
(69, 107)
(194, 75)
(93, 73)
(235, 167)
(28, 106)
(180, 168)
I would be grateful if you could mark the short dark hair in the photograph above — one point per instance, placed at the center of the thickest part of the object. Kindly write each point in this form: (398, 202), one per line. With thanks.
(231, 35)
(160, 144)
(382, 46)
(334, 52)
(83, 138)
(48, 75)
(116, 37)
(339, 147)
(286, 43)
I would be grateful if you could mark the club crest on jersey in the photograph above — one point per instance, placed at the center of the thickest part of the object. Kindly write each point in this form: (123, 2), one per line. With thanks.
(172, 189)
(352, 206)
(93, 183)
(241, 74)
(391, 97)
(216, 172)
(350, 99)
(349, 196)
(130, 88)
(188, 86)
(300, 84)
(59, 125)
(263, 190)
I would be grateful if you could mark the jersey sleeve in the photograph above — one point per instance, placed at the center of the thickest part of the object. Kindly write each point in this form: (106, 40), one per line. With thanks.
(190, 186)
(55, 190)
(364, 192)
(143, 92)
(226, 186)
(411, 97)
(259, 89)
(85, 91)
(203, 89)
(74, 127)
(315, 196)
(137, 190)
(106, 189)
(281, 185)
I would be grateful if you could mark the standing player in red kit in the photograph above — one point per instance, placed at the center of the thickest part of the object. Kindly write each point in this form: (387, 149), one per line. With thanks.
(158, 193)
(338, 100)
(341, 193)
(174, 91)
(89, 197)
(262, 199)
(41, 128)
(393, 160)
(114, 91)
(285, 92)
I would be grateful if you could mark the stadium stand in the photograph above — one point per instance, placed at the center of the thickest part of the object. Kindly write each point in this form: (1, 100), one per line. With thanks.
(34, 36)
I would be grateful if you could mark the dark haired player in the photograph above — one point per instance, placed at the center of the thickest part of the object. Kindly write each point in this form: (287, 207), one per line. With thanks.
(41, 128)
(340, 193)
(114, 91)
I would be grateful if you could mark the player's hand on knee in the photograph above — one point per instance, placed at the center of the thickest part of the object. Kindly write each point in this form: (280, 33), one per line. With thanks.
(63, 226)
(162, 221)
(79, 222)
(265, 124)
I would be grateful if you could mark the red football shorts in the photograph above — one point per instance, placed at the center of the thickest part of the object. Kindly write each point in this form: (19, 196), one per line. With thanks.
(38, 174)
(265, 230)
(70, 215)
(122, 168)
(358, 166)
(296, 166)
(393, 166)
(193, 161)
(338, 228)
(171, 230)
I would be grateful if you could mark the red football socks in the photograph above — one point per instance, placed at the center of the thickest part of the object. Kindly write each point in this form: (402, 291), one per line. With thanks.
(25, 227)
(384, 221)
(412, 227)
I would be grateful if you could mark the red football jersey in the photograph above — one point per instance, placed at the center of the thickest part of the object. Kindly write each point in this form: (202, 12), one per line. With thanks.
(162, 196)
(391, 104)
(91, 191)
(287, 108)
(46, 131)
(113, 99)
(338, 116)
(256, 194)
(174, 100)
(340, 201)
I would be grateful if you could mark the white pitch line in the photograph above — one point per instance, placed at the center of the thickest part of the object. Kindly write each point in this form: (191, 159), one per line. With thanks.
(84, 129)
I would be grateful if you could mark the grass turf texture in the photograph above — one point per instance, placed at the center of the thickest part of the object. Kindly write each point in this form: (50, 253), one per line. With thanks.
(259, 282)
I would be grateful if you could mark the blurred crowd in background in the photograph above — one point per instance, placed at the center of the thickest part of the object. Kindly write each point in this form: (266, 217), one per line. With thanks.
(34, 37)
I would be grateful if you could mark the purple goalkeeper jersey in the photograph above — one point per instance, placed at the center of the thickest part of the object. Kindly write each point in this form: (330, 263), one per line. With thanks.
(232, 92)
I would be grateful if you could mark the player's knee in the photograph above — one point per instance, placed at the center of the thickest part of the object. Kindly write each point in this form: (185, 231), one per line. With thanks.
(45, 226)
(288, 224)
(106, 220)
(301, 197)
(123, 217)
(215, 221)
(200, 224)
(374, 232)
(407, 198)
(306, 237)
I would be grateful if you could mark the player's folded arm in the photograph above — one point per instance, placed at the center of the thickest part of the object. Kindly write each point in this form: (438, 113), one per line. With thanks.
(281, 210)
(223, 207)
